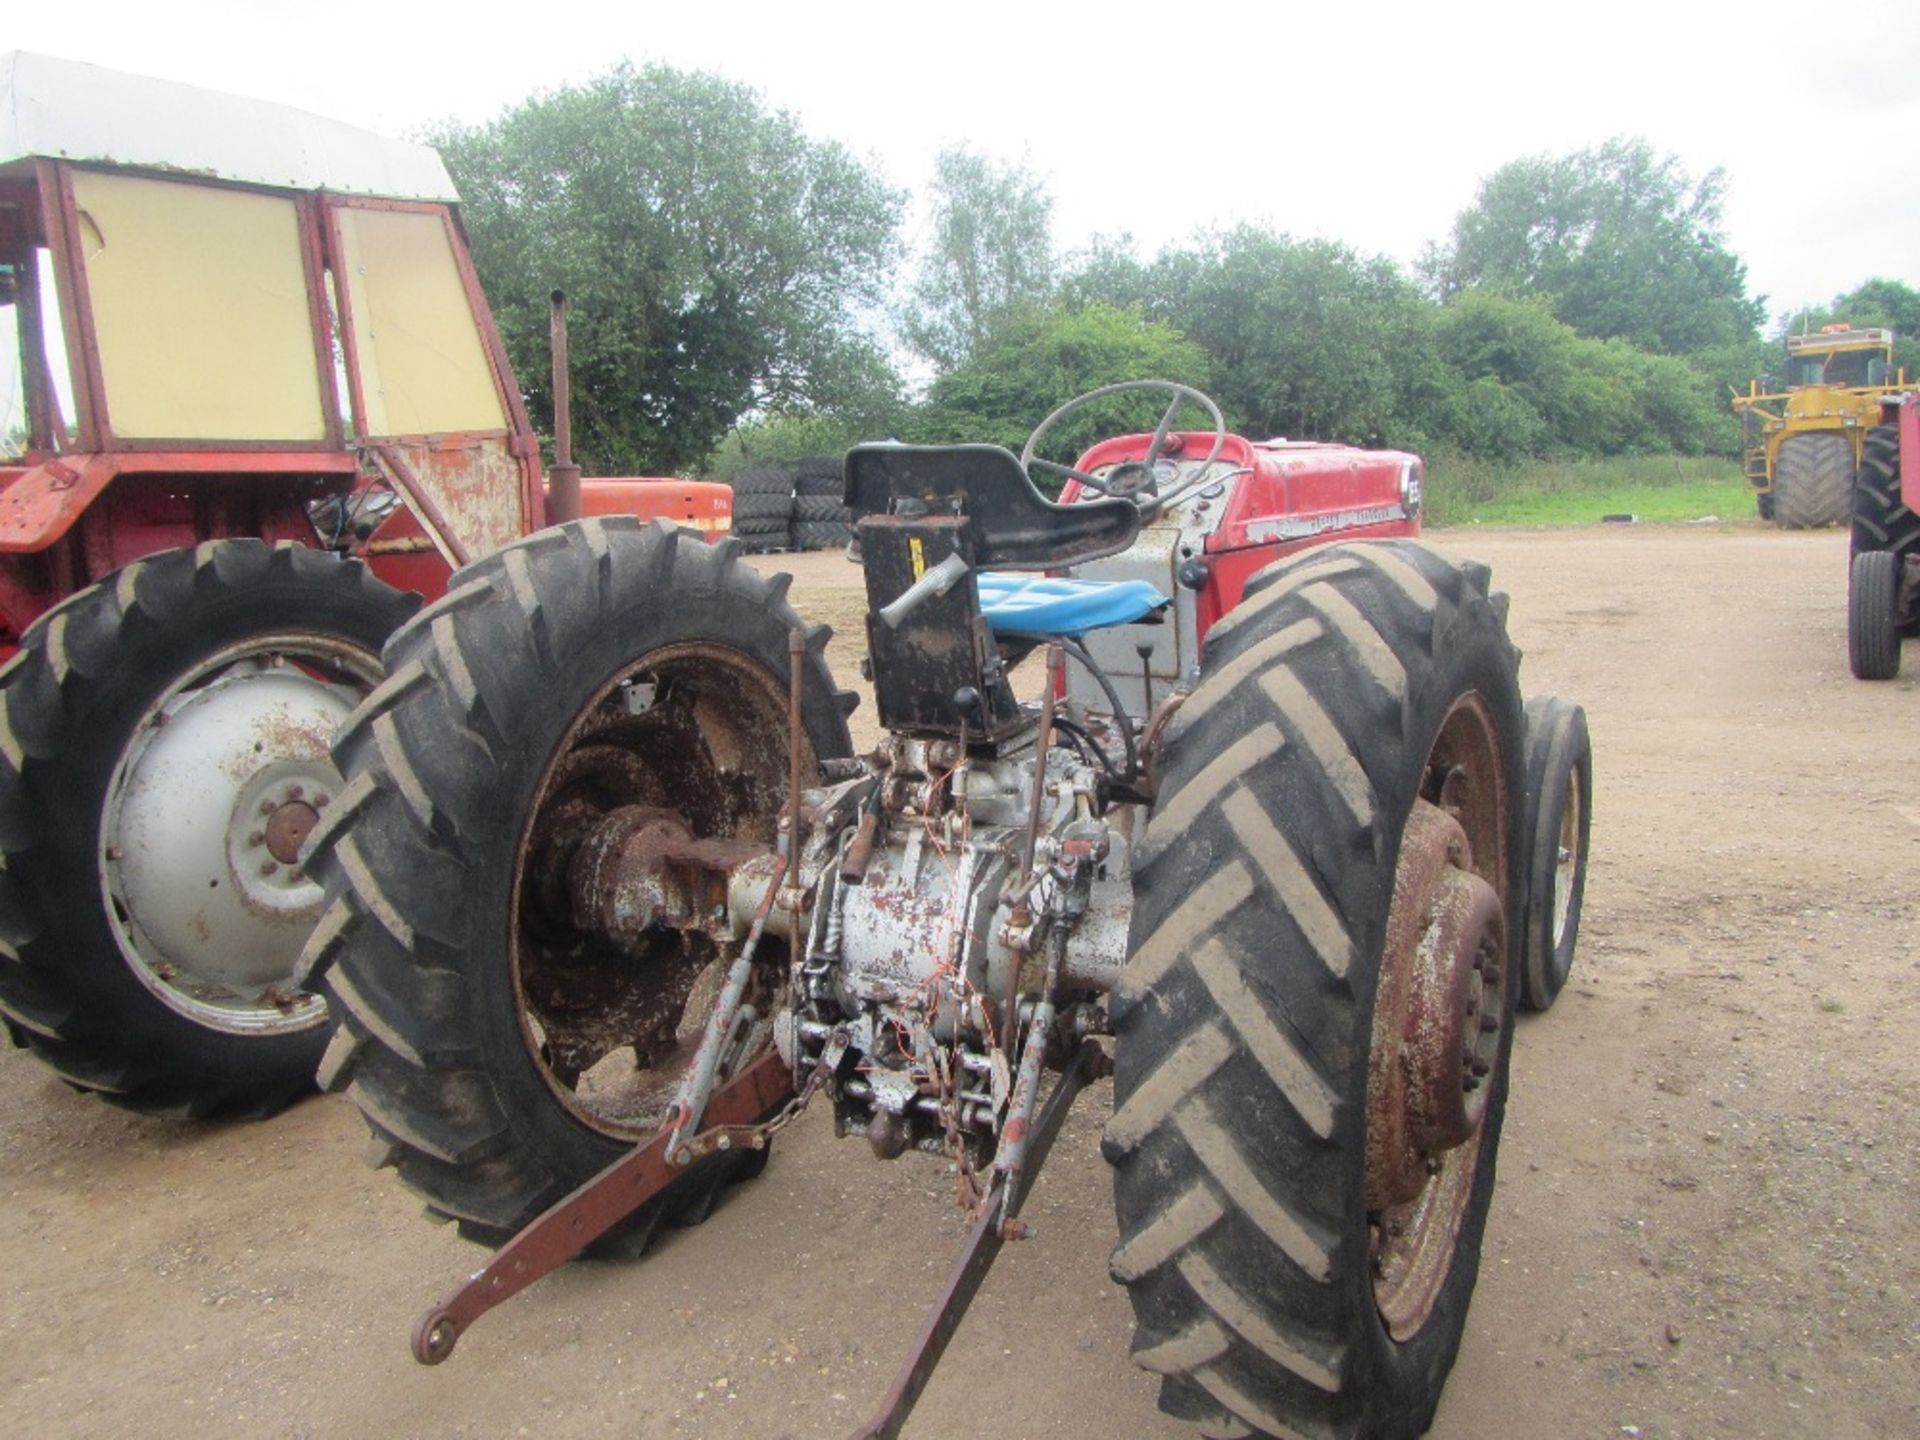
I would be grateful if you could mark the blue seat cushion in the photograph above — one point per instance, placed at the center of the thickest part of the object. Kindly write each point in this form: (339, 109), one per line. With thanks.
(1048, 605)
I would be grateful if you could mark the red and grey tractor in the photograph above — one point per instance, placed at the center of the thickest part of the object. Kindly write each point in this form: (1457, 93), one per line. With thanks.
(262, 409)
(1273, 841)
(1883, 578)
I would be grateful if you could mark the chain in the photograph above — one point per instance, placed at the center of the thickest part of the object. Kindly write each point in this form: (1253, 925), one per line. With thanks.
(790, 1112)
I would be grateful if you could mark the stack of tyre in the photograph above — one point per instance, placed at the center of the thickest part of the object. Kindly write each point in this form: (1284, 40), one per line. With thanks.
(821, 520)
(763, 508)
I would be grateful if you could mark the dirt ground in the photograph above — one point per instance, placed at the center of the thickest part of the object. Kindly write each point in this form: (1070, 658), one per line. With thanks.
(1708, 1182)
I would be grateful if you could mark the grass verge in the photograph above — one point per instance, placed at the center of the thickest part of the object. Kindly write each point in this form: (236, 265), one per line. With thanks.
(1465, 491)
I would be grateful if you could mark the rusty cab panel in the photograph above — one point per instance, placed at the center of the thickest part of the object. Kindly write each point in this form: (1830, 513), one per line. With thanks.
(245, 314)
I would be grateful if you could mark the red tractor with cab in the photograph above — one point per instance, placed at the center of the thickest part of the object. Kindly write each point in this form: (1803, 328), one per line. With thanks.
(260, 410)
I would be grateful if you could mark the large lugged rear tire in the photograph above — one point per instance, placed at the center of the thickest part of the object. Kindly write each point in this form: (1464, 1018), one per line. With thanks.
(501, 1055)
(1356, 730)
(165, 736)
(1813, 481)
(1881, 520)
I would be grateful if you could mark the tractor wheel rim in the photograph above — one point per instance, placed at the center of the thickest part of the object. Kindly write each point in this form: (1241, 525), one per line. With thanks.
(616, 1069)
(207, 814)
(1440, 1017)
(1566, 867)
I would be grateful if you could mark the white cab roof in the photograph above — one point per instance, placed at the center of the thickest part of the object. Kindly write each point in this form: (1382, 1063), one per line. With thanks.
(65, 110)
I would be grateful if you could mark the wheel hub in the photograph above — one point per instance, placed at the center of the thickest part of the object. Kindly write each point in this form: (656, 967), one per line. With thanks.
(1437, 1027)
(641, 870)
(666, 783)
(288, 828)
(203, 830)
(1440, 1018)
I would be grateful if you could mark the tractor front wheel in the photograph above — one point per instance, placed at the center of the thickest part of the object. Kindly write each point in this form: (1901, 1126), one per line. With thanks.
(165, 740)
(1315, 1019)
(1873, 615)
(1558, 826)
(502, 1050)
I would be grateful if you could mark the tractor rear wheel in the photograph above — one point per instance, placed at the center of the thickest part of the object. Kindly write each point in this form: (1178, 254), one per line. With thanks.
(1881, 519)
(1873, 615)
(501, 1053)
(1315, 1019)
(1813, 481)
(165, 737)
(1558, 824)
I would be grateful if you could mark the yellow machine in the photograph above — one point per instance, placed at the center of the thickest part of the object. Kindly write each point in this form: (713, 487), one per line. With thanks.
(1802, 442)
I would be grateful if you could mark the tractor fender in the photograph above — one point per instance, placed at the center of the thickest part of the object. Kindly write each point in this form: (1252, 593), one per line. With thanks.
(41, 503)
(1907, 421)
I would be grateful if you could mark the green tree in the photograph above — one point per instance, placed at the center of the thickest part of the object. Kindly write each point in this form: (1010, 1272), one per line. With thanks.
(1873, 303)
(1107, 272)
(1882, 302)
(1039, 359)
(718, 260)
(1526, 382)
(1621, 242)
(784, 435)
(989, 256)
(1305, 337)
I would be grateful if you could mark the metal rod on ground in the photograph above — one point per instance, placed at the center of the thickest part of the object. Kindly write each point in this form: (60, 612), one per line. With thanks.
(563, 480)
(593, 1209)
(977, 1257)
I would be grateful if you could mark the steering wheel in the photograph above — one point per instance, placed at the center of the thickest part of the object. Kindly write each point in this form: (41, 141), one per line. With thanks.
(1135, 476)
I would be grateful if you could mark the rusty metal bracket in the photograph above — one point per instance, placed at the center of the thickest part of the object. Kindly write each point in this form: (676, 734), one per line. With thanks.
(566, 1229)
(992, 1228)
(433, 520)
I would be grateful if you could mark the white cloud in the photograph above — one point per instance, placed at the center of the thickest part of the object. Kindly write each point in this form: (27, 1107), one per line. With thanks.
(1370, 124)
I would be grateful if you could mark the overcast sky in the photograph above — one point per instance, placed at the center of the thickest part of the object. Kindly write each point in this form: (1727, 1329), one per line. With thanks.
(1370, 124)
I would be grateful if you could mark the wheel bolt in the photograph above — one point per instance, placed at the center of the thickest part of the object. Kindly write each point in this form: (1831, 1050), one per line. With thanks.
(114, 852)
(295, 792)
(267, 807)
(268, 867)
(257, 839)
(296, 873)
(322, 800)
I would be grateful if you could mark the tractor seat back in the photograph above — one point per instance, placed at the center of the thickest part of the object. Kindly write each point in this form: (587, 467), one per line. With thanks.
(1009, 525)
(937, 669)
